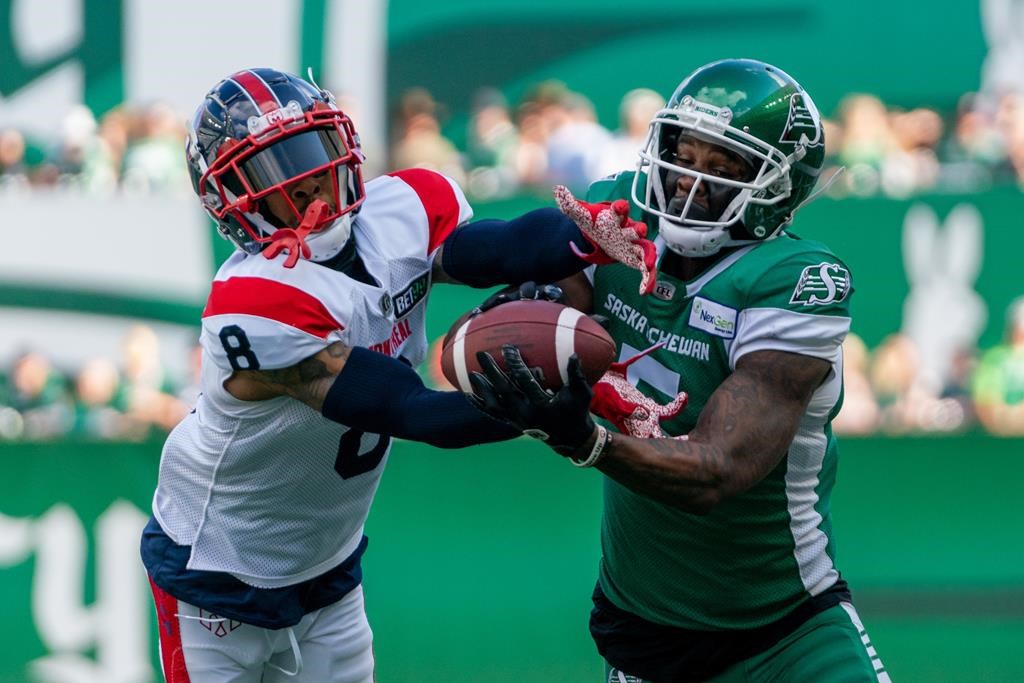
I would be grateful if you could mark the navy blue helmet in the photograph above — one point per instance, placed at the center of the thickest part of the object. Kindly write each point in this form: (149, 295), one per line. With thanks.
(261, 146)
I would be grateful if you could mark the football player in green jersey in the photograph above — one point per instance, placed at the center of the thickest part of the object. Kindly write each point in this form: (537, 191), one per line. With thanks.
(718, 561)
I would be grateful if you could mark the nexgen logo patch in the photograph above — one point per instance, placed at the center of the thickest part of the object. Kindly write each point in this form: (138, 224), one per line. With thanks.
(713, 318)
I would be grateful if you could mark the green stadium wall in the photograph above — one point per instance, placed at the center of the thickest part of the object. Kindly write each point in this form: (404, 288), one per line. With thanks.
(481, 561)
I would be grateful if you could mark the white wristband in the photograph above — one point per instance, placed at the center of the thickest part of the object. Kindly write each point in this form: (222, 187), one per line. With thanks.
(597, 451)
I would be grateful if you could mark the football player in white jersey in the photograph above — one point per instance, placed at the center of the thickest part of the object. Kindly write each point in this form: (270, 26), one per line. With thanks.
(308, 337)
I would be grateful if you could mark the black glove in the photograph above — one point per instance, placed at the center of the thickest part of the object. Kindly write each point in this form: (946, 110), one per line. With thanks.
(527, 290)
(561, 420)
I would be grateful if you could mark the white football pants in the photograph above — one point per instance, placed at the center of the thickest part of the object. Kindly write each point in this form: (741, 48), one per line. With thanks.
(330, 645)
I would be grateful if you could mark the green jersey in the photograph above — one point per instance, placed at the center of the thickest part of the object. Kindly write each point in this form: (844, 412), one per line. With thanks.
(758, 555)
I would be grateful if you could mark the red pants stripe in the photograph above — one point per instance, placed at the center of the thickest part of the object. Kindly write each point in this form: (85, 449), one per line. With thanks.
(172, 657)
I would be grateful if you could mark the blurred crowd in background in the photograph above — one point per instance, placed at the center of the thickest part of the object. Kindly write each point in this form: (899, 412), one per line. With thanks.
(134, 397)
(551, 136)
(129, 396)
(885, 390)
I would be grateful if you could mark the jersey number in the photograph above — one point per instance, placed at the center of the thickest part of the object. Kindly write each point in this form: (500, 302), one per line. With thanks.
(236, 346)
(650, 371)
(350, 462)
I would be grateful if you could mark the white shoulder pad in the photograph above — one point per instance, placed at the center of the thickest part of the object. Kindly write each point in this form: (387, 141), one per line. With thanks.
(255, 323)
(431, 203)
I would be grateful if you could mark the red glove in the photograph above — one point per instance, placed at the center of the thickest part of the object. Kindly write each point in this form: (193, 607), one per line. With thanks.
(294, 241)
(614, 235)
(633, 413)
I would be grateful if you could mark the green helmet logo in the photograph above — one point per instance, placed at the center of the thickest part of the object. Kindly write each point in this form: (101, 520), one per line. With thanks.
(756, 113)
(803, 124)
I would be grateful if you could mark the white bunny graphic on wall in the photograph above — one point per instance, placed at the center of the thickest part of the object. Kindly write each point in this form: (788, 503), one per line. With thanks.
(1003, 24)
(942, 314)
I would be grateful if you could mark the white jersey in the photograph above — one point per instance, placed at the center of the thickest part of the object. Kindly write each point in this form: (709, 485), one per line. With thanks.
(271, 491)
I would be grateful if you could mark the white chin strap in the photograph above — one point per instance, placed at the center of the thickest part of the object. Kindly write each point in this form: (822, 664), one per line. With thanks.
(329, 241)
(694, 242)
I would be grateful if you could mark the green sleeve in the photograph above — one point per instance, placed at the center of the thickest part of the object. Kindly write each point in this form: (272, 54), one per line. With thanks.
(796, 298)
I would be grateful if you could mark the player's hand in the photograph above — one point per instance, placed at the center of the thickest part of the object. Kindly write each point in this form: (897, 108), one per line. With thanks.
(625, 406)
(561, 419)
(526, 291)
(614, 235)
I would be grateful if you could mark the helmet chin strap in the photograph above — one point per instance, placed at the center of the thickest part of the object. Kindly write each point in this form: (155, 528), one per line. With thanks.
(692, 242)
(327, 243)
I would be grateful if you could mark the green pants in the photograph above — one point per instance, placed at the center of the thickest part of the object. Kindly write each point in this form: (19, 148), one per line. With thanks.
(832, 646)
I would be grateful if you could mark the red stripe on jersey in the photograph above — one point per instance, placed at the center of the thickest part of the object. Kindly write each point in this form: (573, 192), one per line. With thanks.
(438, 199)
(271, 299)
(172, 655)
(258, 90)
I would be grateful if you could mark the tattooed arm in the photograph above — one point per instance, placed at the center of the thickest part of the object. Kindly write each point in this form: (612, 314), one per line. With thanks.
(307, 381)
(742, 433)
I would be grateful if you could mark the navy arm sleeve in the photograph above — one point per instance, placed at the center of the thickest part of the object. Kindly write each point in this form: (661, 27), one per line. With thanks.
(376, 393)
(532, 247)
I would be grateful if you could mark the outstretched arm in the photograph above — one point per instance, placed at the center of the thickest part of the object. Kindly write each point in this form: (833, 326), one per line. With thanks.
(375, 393)
(546, 245)
(742, 434)
(534, 246)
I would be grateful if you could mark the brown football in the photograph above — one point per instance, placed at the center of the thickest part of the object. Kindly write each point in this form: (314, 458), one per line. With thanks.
(546, 334)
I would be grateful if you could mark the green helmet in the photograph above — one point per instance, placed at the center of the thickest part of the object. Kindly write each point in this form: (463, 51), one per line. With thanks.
(762, 117)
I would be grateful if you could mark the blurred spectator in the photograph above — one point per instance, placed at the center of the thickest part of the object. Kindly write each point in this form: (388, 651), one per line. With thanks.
(867, 140)
(636, 110)
(13, 172)
(976, 138)
(912, 165)
(149, 393)
(998, 387)
(38, 402)
(1010, 121)
(153, 160)
(531, 155)
(99, 404)
(419, 142)
(77, 142)
(491, 147)
(860, 413)
(892, 374)
(576, 143)
(102, 173)
(907, 402)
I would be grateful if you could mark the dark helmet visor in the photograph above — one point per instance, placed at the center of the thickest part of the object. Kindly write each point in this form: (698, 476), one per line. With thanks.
(292, 157)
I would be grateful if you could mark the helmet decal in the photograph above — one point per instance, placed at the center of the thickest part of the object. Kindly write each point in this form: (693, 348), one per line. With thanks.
(803, 125)
(258, 124)
(257, 90)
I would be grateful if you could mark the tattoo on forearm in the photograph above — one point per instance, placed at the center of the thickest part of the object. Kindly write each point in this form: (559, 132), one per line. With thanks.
(742, 433)
(309, 380)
